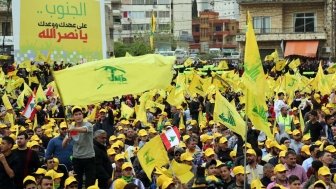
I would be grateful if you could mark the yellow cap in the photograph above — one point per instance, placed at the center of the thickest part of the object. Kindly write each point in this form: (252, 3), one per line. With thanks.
(211, 122)
(111, 152)
(193, 122)
(2, 125)
(217, 135)
(296, 121)
(103, 110)
(275, 144)
(282, 153)
(63, 125)
(208, 152)
(251, 152)
(186, 157)
(319, 182)
(152, 130)
(119, 157)
(120, 143)
(279, 168)
(329, 105)
(125, 122)
(53, 174)
(318, 143)
(75, 108)
(167, 123)
(330, 148)
(142, 133)
(182, 144)
(167, 183)
(31, 178)
(248, 145)
(179, 107)
(238, 170)
(222, 140)
(256, 184)
(296, 132)
(305, 149)
(112, 138)
(40, 171)
(160, 180)
(119, 183)
(185, 137)
(233, 154)
(126, 165)
(306, 137)
(324, 171)
(121, 136)
(34, 143)
(69, 180)
(283, 147)
(95, 186)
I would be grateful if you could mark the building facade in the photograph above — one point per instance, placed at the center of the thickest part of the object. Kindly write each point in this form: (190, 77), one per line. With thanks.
(209, 31)
(293, 27)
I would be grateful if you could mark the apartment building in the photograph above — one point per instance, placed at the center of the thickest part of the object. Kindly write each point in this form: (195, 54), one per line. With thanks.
(293, 27)
(210, 31)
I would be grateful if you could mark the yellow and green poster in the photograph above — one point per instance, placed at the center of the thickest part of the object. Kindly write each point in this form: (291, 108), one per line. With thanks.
(60, 30)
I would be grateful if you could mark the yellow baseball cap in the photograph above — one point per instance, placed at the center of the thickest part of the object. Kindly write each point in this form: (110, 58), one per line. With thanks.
(275, 144)
(69, 180)
(185, 137)
(318, 143)
(222, 140)
(76, 108)
(160, 179)
(112, 138)
(330, 148)
(119, 157)
(248, 145)
(103, 110)
(233, 154)
(238, 170)
(126, 165)
(324, 171)
(119, 183)
(40, 171)
(53, 174)
(251, 152)
(305, 149)
(279, 168)
(121, 136)
(186, 157)
(167, 123)
(142, 133)
(256, 184)
(319, 183)
(208, 152)
(29, 177)
(296, 121)
(282, 153)
(63, 125)
(296, 132)
(95, 186)
(306, 138)
(111, 152)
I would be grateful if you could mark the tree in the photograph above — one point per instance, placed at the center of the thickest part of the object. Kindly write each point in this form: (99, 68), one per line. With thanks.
(194, 9)
(137, 48)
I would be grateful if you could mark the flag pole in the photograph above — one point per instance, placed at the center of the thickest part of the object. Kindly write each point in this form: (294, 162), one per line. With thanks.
(246, 120)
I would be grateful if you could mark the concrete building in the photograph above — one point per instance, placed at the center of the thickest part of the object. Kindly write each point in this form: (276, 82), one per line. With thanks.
(228, 9)
(209, 31)
(293, 27)
(181, 19)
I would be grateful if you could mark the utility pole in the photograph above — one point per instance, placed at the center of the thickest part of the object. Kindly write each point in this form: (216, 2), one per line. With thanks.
(8, 6)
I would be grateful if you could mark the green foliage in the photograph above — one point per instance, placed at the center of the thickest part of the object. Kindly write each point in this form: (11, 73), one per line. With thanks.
(207, 56)
(136, 48)
(194, 10)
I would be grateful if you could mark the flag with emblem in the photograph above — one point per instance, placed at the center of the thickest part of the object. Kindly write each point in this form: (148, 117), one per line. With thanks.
(151, 155)
(29, 111)
(171, 137)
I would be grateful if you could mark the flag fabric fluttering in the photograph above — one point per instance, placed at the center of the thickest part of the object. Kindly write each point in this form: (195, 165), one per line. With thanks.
(30, 111)
(171, 137)
(98, 81)
(254, 78)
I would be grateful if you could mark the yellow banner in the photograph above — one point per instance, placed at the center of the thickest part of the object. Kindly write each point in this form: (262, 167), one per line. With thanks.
(70, 31)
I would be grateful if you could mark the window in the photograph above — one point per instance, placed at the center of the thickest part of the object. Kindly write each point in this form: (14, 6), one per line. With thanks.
(138, 2)
(163, 2)
(164, 27)
(262, 24)
(137, 14)
(141, 27)
(196, 29)
(149, 2)
(304, 22)
(149, 14)
(126, 26)
(6, 28)
(164, 14)
(218, 28)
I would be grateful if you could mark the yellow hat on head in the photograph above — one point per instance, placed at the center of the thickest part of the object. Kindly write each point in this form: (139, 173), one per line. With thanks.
(217, 135)
(53, 174)
(119, 183)
(103, 110)
(296, 121)
(63, 125)
(279, 168)
(120, 143)
(222, 140)
(283, 147)
(182, 145)
(330, 148)
(126, 165)
(186, 157)
(324, 171)
(319, 183)
(167, 123)
(282, 153)
(121, 136)
(160, 180)
(111, 152)
(34, 143)
(193, 122)
(142, 133)
(305, 149)
(275, 144)
(76, 108)
(239, 170)
(112, 138)
(296, 132)
(233, 154)
(3, 126)
(69, 180)
(208, 152)
(119, 157)
(125, 122)
(29, 178)
(40, 171)
(185, 137)
(248, 145)
(256, 184)
(318, 143)
(251, 152)
(306, 137)
(95, 186)
(211, 122)
(152, 130)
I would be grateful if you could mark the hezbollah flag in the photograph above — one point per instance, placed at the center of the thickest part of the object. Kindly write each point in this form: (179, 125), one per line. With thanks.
(227, 114)
(101, 80)
(254, 78)
(152, 154)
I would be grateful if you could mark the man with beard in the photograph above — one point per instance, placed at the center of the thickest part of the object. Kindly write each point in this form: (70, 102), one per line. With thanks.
(293, 168)
(105, 121)
(102, 162)
(223, 151)
(280, 177)
(27, 160)
(274, 151)
(253, 168)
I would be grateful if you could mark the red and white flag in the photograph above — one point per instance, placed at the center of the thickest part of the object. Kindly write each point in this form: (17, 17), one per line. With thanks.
(171, 137)
(49, 91)
(30, 110)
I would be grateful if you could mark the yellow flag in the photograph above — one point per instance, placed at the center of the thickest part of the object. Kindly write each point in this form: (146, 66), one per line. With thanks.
(332, 69)
(92, 116)
(275, 56)
(181, 171)
(175, 98)
(280, 65)
(2, 77)
(196, 85)
(188, 62)
(302, 124)
(225, 113)
(223, 65)
(268, 58)
(181, 124)
(20, 100)
(153, 28)
(320, 82)
(254, 78)
(101, 80)
(6, 102)
(40, 57)
(126, 111)
(294, 63)
(40, 96)
(26, 90)
(152, 154)
(201, 117)
(35, 122)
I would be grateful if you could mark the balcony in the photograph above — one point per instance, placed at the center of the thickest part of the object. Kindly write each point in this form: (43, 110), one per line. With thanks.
(116, 12)
(278, 34)
(277, 1)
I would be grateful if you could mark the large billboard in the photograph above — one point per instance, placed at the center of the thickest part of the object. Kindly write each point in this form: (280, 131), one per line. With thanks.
(62, 30)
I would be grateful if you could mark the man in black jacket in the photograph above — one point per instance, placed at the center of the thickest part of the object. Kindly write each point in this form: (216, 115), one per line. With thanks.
(103, 164)
(105, 121)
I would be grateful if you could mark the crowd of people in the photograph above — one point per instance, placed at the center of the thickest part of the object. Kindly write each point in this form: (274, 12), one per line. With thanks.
(96, 146)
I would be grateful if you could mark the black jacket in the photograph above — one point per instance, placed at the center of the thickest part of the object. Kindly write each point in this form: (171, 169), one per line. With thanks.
(103, 164)
(107, 124)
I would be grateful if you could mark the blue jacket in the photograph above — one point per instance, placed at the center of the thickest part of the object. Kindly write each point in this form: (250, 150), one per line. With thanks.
(55, 149)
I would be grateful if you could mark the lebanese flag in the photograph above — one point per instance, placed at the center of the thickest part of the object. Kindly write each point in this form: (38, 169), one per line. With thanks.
(49, 91)
(30, 111)
(171, 137)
